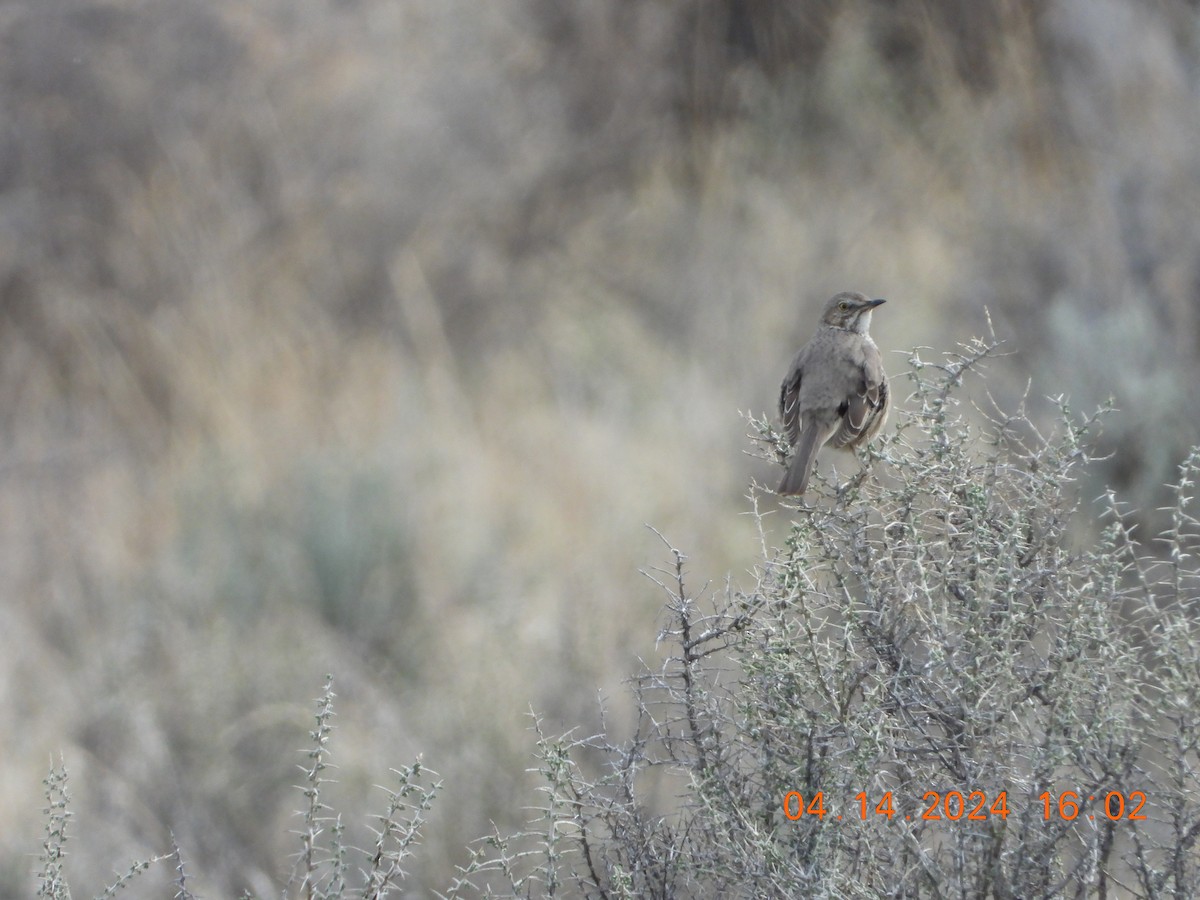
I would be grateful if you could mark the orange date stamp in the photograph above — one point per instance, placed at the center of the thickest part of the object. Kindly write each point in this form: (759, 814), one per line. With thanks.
(971, 806)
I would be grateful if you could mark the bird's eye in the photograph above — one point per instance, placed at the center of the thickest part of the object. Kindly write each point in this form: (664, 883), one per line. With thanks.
(843, 306)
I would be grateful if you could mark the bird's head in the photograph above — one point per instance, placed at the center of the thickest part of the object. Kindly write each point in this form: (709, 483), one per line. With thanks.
(850, 310)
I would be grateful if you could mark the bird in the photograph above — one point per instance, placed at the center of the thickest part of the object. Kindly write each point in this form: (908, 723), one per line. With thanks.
(835, 391)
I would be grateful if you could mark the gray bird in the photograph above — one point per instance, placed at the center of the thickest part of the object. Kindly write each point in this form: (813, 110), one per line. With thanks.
(835, 391)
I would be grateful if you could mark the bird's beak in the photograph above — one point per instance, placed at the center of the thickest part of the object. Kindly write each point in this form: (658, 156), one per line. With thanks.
(871, 304)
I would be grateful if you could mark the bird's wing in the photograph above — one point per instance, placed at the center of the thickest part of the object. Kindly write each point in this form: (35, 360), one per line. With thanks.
(873, 374)
(789, 401)
(864, 411)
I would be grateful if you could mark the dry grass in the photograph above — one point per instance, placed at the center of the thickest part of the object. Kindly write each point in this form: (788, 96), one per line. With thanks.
(364, 338)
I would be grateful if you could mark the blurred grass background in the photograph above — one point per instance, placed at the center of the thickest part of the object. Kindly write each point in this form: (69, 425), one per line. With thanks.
(363, 337)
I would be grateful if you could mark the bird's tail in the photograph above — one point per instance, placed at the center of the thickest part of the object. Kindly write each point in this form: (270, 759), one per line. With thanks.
(810, 441)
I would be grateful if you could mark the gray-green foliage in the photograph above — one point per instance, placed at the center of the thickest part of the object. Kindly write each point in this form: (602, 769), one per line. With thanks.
(945, 619)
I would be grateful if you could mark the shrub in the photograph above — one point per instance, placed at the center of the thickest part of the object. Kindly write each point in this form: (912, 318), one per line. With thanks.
(931, 641)
(946, 682)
